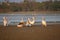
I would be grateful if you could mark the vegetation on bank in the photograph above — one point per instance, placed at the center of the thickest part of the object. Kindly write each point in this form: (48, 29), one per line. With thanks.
(30, 6)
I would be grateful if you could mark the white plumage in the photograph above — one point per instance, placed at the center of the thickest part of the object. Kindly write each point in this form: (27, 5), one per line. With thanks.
(33, 21)
(44, 22)
(21, 23)
(5, 22)
(29, 22)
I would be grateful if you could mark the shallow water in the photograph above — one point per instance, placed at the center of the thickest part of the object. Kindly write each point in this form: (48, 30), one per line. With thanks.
(15, 18)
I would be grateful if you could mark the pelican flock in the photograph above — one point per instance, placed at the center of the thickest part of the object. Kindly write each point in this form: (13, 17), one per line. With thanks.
(28, 23)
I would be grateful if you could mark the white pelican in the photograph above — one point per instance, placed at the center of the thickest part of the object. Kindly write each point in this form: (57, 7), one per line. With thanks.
(33, 21)
(5, 22)
(44, 22)
(21, 23)
(29, 22)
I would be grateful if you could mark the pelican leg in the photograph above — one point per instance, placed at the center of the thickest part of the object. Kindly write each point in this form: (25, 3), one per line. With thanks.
(6, 24)
(44, 25)
(29, 25)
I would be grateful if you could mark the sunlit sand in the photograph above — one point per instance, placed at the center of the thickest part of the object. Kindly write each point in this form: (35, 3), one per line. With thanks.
(36, 32)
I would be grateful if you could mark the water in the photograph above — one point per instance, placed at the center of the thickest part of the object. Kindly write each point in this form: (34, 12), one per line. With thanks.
(16, 18)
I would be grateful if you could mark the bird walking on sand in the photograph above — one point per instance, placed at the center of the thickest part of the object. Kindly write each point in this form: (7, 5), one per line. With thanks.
(44, 22)
(5, 22)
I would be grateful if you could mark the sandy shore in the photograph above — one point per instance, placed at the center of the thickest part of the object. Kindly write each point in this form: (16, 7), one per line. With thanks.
(37, 32)
(33, 12)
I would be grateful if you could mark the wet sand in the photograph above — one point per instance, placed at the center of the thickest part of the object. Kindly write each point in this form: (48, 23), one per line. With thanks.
(37, 32)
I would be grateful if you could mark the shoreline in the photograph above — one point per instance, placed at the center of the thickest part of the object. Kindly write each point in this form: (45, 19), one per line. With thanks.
(36, 24)
(33, 12)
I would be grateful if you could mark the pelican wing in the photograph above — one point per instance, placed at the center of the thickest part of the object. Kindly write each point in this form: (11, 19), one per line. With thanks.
(32, 22)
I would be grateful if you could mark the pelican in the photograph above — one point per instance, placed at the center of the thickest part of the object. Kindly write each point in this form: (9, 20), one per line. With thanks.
(33, 21)
(29, 22)
(5, 22)
(21, 23)
(44, 22)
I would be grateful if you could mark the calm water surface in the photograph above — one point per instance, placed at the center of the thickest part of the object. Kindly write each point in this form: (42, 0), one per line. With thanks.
(15, 18)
